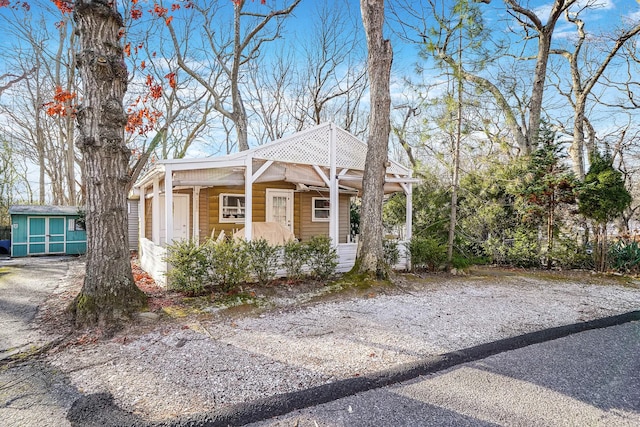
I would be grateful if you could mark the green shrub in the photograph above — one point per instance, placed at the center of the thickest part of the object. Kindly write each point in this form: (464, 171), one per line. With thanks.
(426, 253)
(322, 257)
(567, 253)
(294, 257)
(525, 251)
(263, 260)
(496, 249)
(624, 256)
(228, 263)
(461, 261)
(391, 252)
(188, 267)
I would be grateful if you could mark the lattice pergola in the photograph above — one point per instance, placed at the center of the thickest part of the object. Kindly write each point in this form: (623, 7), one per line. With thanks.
(324, 155)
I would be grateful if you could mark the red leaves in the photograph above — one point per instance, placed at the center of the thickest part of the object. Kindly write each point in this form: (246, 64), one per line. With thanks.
(64, 6)
(172, 80)
(25, 5)
(136, 13)
(61, 104)
(142, 118)
(141, 121)
(159, 11)
(155, 89)
(239, 2)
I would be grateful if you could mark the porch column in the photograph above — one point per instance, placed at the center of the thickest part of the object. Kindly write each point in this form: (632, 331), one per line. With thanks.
(196, 215)
(409, 213)
(409, 218)
(142, 226)
(168, 204)
(248, 197)
(155, 212)
(334, 212)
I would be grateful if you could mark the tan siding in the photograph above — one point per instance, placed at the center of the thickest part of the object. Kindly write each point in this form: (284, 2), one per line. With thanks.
(345, 219)
(309, 228)
(210, 206)
(148, 219)
(205, 230)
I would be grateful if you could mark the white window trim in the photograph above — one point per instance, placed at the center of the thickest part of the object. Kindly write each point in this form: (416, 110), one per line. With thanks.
(221, 219)
(313, 209)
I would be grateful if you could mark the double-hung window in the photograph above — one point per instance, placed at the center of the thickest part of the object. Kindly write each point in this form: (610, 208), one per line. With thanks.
(232, 208)
(320, 209)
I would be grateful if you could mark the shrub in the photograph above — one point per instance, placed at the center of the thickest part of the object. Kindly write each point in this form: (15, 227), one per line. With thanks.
(525, 251)
(294, 257)
(228, 263)
(426, 252)
(624, 256)
(496, 250)
(391, 252)
(188, 267)
(567, 253)
(322, 258)
(263, 260)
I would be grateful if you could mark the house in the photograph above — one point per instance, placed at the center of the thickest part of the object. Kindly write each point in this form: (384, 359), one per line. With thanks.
(46, 230)
(302, 183)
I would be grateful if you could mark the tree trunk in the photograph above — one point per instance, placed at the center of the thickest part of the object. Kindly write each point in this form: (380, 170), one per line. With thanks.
(109, 293)
(370, 252)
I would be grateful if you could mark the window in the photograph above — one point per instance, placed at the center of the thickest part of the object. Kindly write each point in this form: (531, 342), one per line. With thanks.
(320, 209)
(75, 224)
(232, 208)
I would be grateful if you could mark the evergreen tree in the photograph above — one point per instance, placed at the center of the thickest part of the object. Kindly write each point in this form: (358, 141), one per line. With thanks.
(602, 197)
(548, 184)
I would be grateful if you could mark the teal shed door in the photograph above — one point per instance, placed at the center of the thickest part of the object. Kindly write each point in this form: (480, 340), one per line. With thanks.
(46, 235)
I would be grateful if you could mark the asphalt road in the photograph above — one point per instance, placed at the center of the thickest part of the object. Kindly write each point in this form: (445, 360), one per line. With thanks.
(32, 392)
(587, 379)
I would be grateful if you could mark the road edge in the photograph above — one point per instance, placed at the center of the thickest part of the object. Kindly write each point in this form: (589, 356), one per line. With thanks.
(89, 410)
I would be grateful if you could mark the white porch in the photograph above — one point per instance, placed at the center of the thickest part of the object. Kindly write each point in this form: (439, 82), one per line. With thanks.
(321, 159)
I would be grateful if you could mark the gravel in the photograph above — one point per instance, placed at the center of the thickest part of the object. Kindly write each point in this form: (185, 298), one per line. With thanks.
(205, 363)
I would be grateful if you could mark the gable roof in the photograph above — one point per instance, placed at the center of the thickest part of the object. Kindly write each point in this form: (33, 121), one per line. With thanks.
(308, 147)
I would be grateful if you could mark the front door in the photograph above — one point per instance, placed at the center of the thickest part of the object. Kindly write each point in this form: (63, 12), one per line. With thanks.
(280, 207)
(46, 235)
(180, 218)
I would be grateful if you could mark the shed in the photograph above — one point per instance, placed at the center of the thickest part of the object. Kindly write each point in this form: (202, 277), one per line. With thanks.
(46, 230)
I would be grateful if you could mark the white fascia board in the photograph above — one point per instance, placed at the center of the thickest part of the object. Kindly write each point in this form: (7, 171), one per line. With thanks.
(147, 179)
(208, 164)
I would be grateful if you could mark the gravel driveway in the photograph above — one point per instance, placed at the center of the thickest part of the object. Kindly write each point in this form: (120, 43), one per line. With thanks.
(206, 363)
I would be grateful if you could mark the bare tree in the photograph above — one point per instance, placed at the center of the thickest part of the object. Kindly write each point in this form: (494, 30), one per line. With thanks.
(229, 52)
(533, 27)
(583, 82)
(332, 63)
(47, 139)
(370, 259)
(12, 79)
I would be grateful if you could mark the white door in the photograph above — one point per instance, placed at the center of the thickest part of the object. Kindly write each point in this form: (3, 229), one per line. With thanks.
(280, 207)
(180, 218)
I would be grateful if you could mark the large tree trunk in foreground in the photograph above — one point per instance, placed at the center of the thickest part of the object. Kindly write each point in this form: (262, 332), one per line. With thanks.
(109, 293)
(370, 254)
